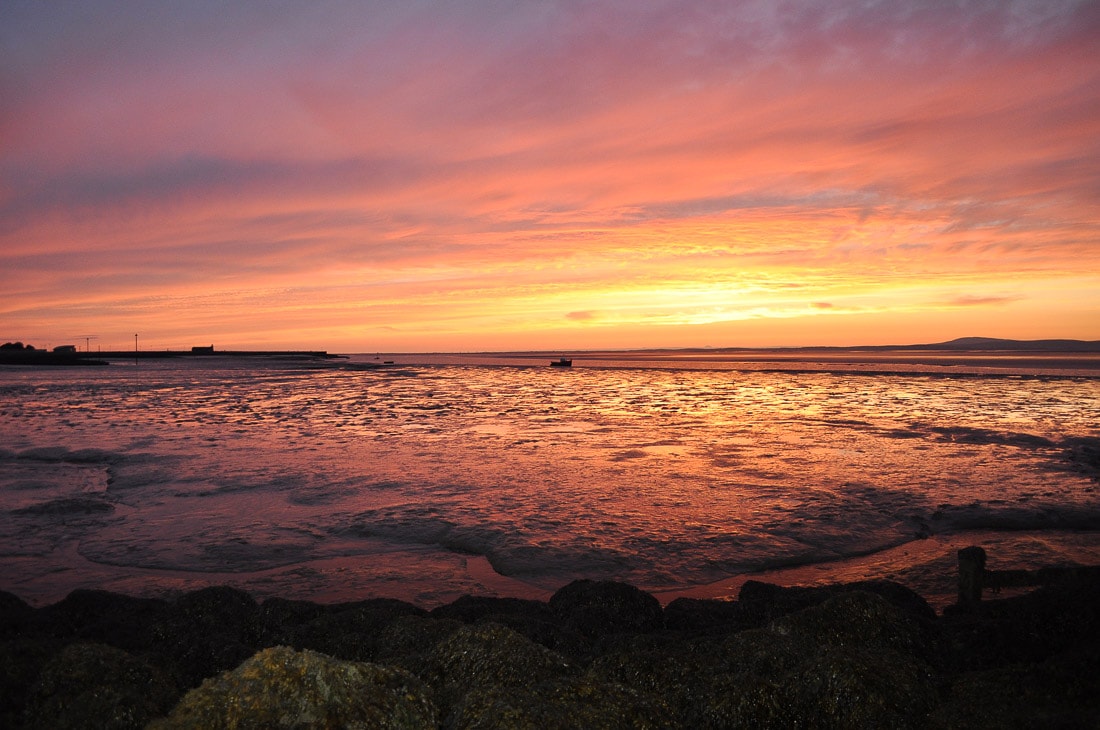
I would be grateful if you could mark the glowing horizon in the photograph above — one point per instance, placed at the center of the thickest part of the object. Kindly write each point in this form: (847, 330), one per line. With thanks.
(533, 176)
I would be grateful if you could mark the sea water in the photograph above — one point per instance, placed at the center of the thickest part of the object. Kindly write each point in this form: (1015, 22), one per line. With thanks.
(439, 476)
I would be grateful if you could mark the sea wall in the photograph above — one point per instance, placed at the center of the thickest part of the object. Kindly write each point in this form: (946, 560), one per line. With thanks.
(597, 654)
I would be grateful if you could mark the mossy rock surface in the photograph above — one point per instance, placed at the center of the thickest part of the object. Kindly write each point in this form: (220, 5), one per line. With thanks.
(857, 619)
(353, 632)
(283, 688)
(562, 703)
(488, 656)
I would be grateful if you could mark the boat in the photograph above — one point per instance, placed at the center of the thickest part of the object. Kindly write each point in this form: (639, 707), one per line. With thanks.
(561, 362)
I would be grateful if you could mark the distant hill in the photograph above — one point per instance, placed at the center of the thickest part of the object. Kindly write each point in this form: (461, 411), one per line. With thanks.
(992, 343)
(963, 344)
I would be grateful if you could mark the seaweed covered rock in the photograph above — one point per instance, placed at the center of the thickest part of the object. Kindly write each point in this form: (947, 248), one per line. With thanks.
(21, 660)
(534, 619)
(208, 631)
(858, 687)
(97, 686)
(352, 631)
(761, 603)
(408, 641)
(857, 618)
(597, 609)
(1061, 692)
(1062, 616)
(281, 687)
(704, 615)
(684, 678)
(732, 681)
(102, 616)
(222, 609)
(561, 703)
(488, 656)
(282, 618)
(14, 612)
(852, 661)
(472, 609)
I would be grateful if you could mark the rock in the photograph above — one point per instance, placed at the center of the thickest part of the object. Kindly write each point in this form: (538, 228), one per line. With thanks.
(282, 618)
(860, 687)
(21, 660)
(208, 631)
(224, 610)
(1062, 692)
(281, 687)
(104, 617)
(1031, 628)
(853, 661)
(488, 656)
(97, 686)
(14, 613)
(562, 703)
(471, 609)
(533, 619)
(763, 602)
(596, 609)
(408, 641)
(856, 619)
(352, 631)
(680, 676)
(760, 652)
(702, 616)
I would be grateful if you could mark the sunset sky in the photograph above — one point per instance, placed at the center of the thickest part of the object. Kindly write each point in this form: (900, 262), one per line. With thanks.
(495, 175)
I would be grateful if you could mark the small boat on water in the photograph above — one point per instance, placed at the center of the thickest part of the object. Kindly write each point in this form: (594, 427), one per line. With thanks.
(561, 362)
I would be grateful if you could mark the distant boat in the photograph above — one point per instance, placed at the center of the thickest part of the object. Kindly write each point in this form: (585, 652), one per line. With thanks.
(561, 362)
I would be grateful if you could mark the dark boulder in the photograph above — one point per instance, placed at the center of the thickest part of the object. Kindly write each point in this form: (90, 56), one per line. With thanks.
(472, 609)
(561, 703)
(351, 631)
(1061, 692)
(763, 602)
(1063, 616)
(853, 661)
(282, 618)
(861, 687)
(487, 656)
(14, 614)
(105, 617)
(21, 660)
(206, 632)
(857, 619)
(224, 610)
(409, 641)
(704, 616)
(534, 619)
(596, 609)
(97, 686)
(682, 677)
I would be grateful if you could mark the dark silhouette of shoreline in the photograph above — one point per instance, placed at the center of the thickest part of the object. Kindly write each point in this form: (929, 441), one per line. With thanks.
(19, 354)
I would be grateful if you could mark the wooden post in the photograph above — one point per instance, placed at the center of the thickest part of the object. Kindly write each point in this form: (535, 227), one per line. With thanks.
(971, 578)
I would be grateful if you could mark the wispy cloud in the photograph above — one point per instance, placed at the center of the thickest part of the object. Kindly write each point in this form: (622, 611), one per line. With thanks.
(969, 300)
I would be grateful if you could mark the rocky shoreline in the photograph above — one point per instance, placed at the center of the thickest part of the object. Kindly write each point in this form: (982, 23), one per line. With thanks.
(597, 654)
